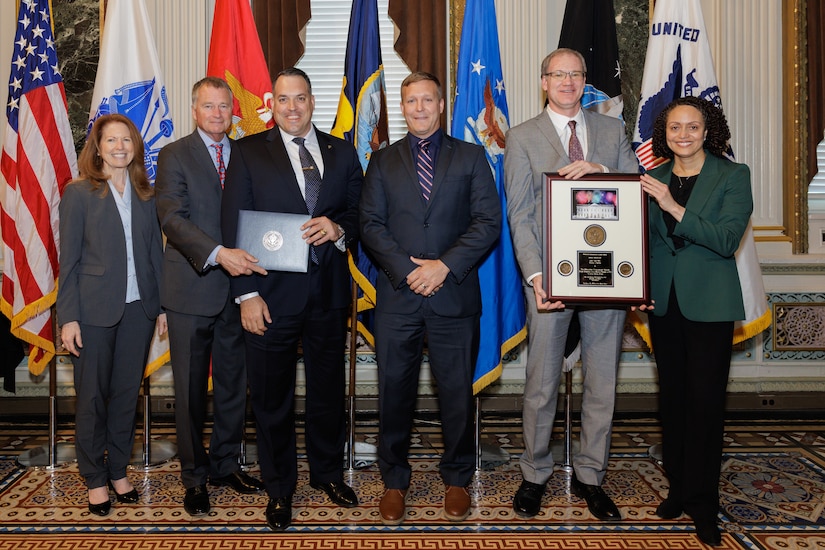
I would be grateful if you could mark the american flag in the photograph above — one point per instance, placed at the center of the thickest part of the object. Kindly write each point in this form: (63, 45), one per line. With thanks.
(38, 160)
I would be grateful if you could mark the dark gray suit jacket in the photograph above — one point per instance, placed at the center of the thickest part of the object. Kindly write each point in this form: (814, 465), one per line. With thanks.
(92, 284)
(458, 225)
(189, 206)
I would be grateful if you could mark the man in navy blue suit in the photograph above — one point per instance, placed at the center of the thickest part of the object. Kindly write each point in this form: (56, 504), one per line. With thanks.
(429, 213)
(294, 168)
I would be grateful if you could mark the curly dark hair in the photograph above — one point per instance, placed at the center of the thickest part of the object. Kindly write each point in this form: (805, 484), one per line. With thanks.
(716, 141)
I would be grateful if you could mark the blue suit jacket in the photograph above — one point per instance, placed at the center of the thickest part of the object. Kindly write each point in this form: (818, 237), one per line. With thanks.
(459, 224)
(260, 177)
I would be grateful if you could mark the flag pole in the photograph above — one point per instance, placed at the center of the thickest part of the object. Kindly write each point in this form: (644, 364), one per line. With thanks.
(353, 356)
(54, 455)
(148, 454)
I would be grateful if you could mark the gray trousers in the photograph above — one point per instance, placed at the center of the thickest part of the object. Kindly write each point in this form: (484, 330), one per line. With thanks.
(601, 337)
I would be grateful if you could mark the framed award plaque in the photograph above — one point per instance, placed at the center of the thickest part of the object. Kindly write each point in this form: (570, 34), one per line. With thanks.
(595, 240)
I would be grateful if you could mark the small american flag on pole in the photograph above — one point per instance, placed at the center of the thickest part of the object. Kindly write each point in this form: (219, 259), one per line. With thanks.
(38, 160)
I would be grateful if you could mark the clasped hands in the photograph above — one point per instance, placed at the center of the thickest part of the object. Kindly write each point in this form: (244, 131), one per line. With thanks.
(428, 277)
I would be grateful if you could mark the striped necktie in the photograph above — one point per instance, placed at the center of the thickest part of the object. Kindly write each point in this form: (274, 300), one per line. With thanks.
(424, 167)
(312, 184)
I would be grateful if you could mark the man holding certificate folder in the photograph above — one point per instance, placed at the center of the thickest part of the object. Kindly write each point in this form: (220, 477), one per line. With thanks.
(296, 169)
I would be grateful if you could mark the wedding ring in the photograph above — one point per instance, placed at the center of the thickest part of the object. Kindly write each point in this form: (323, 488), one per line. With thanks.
(423, 286)
(323, 232)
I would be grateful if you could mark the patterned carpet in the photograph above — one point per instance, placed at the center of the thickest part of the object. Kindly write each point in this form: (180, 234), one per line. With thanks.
(773, 487)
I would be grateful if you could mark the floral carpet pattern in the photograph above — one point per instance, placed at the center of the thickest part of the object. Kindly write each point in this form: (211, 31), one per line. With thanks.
(772, 487)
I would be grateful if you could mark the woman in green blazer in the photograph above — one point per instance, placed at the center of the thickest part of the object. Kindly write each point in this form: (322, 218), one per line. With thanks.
(700, 209)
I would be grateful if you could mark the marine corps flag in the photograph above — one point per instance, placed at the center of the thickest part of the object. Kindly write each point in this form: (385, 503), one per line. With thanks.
(362, 120)
(480, 116)
(589, 27)
(235, 55)
(679, 64)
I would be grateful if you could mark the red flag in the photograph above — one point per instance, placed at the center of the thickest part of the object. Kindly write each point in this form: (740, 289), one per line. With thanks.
(235, 54)
(38, 160)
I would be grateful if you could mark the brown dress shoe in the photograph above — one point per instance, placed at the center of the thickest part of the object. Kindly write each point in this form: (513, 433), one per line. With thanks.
(392, 507)
(456, 503)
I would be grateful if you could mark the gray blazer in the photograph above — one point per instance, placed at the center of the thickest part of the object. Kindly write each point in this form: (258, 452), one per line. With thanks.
(189, 207)
(534, 147)
(92, 284)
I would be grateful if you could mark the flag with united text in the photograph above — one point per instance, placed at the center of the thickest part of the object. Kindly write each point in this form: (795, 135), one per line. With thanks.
(480, 116)
(679, 64)
(38, 160)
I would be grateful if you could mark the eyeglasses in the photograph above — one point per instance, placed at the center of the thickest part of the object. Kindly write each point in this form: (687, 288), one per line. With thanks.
(561, 75)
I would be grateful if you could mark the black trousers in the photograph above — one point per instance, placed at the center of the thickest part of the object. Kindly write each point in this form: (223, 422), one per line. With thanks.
(693, 360)
(271, 365)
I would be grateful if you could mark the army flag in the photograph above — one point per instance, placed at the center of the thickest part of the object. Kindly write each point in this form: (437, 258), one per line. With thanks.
(129, 82)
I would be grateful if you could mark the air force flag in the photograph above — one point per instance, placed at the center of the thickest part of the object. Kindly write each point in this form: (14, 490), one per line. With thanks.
(129, 81)
(480, 116)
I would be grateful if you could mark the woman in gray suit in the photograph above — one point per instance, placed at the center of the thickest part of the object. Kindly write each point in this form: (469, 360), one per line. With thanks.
(701, 208)
(108, 300)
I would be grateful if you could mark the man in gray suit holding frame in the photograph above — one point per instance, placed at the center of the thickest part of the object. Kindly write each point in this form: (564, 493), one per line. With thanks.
(566, 139)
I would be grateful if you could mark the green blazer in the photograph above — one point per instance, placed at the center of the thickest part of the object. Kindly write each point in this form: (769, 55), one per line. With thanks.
(703, 272)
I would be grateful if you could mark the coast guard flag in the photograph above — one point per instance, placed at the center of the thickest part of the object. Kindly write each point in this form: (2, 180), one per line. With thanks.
(480, 116)
(129, 82)
(362, 120)
(235, 55)
(38, 160)
(679, 64)
(589, 27)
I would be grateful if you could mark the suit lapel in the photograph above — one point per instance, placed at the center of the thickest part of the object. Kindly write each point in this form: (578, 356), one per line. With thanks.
(283, 166)
(203, 162)
(659, 220)
(547, 129)
(705, 184)
(442, 165)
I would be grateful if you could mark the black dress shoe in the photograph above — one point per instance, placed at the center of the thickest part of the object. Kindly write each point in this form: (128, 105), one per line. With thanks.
(196, 501)
(527, 501)
(279, 513)
(708, 532)
(241, 482)
(131, 497)
(338, 492)
(597, 500)
(101, 509)
(669, 509)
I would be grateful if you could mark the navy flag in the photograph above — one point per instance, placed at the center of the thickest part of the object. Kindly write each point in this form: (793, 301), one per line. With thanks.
(480, 116)
(362, 120)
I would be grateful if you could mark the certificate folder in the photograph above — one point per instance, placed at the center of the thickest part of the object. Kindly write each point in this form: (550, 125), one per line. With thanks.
(275, 239)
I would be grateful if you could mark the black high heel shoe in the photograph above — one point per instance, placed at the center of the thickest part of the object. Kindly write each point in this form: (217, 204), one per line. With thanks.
(101, 509)
(132, 497)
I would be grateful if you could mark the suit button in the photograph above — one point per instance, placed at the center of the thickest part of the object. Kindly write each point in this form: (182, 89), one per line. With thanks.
(672, 253)
(426, 225)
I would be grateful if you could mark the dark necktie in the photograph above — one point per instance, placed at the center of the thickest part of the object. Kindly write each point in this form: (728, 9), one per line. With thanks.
(424, 167)
(219, 160)
(312, 184)
(574, 147)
